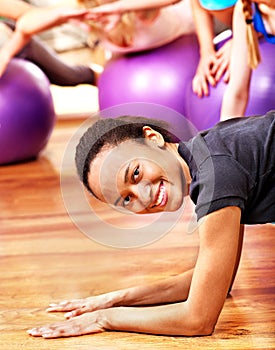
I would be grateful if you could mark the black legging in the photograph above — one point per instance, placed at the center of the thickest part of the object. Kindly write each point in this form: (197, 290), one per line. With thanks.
(57, 71)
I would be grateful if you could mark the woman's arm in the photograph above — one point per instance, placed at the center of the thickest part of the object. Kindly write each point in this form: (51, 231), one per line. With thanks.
(11, 47)
(198, 314)
(211, 280)
(205, 33)
(13, 9)
(173, 289)
(39, 19)
(169, 290)
(31, 21)
(238, 258)
(121, 6)
(236, 95)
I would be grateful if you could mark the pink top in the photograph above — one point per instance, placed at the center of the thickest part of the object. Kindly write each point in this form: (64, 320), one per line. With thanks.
(172, 22)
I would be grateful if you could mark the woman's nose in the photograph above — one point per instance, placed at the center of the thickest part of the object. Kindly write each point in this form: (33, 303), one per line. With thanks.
(143, 194)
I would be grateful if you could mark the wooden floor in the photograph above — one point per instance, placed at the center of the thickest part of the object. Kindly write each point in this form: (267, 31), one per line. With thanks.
(45, 258)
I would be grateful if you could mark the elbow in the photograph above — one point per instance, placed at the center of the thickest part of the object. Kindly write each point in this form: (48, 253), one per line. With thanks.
(234, 104)
(241, 97)
(198, 326)
(201, 327)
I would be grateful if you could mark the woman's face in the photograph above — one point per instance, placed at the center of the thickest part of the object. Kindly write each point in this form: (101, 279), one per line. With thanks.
(140, 177)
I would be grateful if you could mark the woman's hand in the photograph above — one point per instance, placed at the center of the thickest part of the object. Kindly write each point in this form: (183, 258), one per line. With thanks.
(221, 66)
(204, 76)
(211, 68)
(78, 307)
(91, 322)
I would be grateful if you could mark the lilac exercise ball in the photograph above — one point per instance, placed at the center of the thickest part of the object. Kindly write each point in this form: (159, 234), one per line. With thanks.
(26, 112)
(164, 76)
(154, 76)
(205, 112)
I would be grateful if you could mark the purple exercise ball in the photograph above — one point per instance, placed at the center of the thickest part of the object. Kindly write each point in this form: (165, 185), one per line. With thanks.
(164, 76)
(26, 112)
(154, 76)
(205, 112)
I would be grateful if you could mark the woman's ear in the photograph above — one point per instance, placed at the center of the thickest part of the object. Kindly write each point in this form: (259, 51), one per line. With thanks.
(153, 135)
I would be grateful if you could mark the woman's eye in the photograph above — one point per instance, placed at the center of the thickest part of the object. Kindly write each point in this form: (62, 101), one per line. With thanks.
(126, 201)
(136, 173)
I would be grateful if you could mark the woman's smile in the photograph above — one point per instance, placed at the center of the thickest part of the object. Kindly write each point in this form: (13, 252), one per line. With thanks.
(161, 197)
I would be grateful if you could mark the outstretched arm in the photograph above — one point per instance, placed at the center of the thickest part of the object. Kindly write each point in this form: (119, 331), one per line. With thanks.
(205, 33)
(195, 316)
(30, 21)
(236, 95)
(13, 9)
(169, 290)
(121, 6)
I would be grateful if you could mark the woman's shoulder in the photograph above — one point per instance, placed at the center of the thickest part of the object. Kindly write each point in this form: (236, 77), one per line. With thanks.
(241, 138)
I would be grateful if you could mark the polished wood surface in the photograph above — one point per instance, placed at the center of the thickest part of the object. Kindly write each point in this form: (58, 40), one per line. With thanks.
(45, 258)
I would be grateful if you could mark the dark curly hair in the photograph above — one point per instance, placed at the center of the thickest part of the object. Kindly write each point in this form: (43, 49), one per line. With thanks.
(113, 131)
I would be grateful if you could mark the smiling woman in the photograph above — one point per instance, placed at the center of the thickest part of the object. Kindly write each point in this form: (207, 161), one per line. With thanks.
(144, 181)
(109, 133)
(134, 162)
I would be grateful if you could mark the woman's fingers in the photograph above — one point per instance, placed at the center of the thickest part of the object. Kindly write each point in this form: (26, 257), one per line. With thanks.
(79, 311)
(65, 305)
(220, 69)
(84, 324)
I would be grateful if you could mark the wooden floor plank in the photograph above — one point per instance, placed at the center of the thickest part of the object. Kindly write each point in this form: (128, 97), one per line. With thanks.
(45, 258)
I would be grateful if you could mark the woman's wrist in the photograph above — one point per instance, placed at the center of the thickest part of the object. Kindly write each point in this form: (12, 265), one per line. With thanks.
(110, 319)
(207, 50)
(116, 298)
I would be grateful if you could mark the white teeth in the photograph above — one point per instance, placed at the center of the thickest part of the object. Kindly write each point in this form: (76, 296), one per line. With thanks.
(160, 196)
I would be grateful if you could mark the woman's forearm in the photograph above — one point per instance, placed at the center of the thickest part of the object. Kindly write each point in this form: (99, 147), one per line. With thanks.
(236, 95)
(204, 28)
(233, 104)
(43, 18)
(148, 4)
(13, 9)
(170, 290)
(173, 319)
(11, 48)
(173, 289)
(121, 6)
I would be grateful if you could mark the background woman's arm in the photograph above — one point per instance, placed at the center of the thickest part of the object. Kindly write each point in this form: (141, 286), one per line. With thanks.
(205, 33)
(30, 21)
(13, 9)
(236, 95)
(121, 6)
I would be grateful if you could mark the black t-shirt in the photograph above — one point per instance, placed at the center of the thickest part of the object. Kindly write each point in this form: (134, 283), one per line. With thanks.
(233, 164)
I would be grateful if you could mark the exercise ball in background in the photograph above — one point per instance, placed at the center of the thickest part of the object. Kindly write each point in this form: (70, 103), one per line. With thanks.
(262, 91)
(26, 112)
(164, 76)
(155, 76)
(205, 112)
